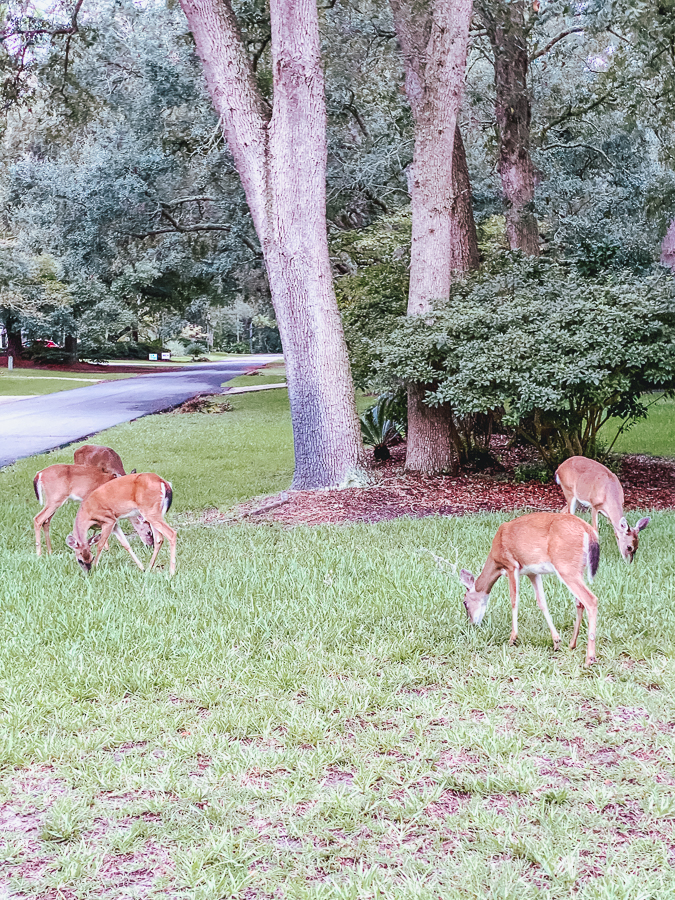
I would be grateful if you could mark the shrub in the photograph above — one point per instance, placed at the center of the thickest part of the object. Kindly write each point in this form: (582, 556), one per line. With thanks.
(560, 353)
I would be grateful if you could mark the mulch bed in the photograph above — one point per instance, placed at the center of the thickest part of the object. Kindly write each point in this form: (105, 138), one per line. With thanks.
(88, 367)
(648, 482)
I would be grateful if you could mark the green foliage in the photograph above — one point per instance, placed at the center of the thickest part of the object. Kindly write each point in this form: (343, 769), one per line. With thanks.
(374, 291)
(560, 354)
(381, 426)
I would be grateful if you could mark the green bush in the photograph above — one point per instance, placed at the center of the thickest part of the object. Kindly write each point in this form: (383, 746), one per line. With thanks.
(559, 353)
(382, 427)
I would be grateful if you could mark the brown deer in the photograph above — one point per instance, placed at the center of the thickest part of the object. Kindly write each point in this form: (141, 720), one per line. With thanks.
(106, 459)
(535, 545)
(586, 482)
(144, 494)
(57, 484)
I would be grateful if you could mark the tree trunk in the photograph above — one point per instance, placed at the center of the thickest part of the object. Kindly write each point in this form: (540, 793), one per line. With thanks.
(463, 237)
(668, 248)
(70, 346)
(505, 26)
(14, 341)
(282, 165)
(434, 48)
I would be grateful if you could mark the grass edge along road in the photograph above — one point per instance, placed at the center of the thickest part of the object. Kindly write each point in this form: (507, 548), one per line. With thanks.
(307, 712)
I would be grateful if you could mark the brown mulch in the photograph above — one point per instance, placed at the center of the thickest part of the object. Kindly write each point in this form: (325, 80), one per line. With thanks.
(648, 482)
(89, 367)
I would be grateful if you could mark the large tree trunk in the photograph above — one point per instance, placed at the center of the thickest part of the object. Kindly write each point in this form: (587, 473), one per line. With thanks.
(668, 248)
(282, 165)
(504, 21)
(70, 346)
(463, 237)
(434, 45)
(14, 340)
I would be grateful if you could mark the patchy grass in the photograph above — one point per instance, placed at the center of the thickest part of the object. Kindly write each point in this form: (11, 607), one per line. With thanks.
(306, 713)
(654, 436)
(27, 382)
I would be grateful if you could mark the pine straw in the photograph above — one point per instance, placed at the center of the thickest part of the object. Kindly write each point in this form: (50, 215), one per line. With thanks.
(649, 483)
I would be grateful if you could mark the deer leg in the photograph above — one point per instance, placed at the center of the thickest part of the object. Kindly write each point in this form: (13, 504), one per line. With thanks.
(122, 538)
(106, 531)
(41, 523)
(168, 532)
(538, 586)
(585, 600)
(577, 624)
(159, 540)
(594, 518)
(514, 591)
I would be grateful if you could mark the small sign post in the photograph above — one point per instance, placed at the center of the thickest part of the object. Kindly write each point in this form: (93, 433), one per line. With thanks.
(10, 363)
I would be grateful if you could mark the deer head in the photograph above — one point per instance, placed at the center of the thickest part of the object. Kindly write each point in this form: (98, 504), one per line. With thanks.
(628, 538)
(82, 551)
(475, 602)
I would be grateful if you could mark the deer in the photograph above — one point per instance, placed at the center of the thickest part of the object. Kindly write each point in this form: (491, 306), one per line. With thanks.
(539, 544)
(57, 484)
(102, 457)
(144, 494)
(585, 482)
(106, 459)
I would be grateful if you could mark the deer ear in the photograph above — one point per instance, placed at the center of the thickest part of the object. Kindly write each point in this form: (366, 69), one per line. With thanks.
(642, 524)
(133, 472)
(95, 538)
(71, 542)
(467, 579)
(623, 525)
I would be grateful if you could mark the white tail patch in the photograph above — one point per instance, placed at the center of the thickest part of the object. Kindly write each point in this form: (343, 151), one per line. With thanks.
(39, 488)
(165, 499)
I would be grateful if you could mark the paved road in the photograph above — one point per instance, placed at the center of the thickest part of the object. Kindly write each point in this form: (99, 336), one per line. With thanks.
(43, 423)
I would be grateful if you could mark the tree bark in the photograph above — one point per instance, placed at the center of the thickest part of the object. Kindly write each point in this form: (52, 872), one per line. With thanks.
(14, 340)
(282, 164)
(504, 21)
(434, 42)
(70, 346)
(463, 237)
(668, 248)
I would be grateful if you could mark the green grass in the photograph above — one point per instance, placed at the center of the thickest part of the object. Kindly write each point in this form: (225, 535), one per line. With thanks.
(306, 713)
(655, 435)
(24, 382)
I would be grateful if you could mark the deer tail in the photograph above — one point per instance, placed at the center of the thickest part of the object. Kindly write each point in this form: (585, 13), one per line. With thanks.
(168, 497)
(593, 558)
(37, 487)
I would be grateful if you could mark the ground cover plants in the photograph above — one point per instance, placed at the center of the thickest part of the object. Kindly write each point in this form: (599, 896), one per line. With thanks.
(306, 713)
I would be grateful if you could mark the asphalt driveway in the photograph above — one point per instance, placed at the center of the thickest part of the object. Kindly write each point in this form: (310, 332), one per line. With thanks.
(44, 423)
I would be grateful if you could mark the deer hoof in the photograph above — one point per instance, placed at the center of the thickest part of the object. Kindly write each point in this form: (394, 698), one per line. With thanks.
(590, 660)
(513, 639)
(556, 645)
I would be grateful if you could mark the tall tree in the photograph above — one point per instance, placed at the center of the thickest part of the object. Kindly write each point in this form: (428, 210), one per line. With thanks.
(433, 38)
(504, 22)
(281, 159)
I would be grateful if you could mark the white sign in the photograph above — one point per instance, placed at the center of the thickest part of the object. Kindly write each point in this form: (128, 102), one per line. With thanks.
(152, 356)
(166, 355)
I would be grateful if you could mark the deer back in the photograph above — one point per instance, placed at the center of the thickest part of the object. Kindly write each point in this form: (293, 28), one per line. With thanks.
(591, 483)
(102, 457)
(61, 481)
(558, 539)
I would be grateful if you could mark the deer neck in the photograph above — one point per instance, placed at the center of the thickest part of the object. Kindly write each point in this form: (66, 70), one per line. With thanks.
(487, 578)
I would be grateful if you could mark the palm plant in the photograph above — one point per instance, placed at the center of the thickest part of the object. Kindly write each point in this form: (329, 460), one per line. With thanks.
(381, 426)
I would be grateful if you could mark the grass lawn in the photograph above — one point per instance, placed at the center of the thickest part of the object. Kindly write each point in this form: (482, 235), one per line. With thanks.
(26, 382)
(306, 713)
(655, 435)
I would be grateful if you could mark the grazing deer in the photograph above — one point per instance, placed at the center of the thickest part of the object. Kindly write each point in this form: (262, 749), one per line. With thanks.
(106, 459)
(102, 457)
(535, 545)
(57, 484)
(589, 483)
(146, 494)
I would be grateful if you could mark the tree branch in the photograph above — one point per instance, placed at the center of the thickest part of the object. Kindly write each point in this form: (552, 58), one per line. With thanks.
(573, 146)
(178, 228)
(351, 107)
(554, 41)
